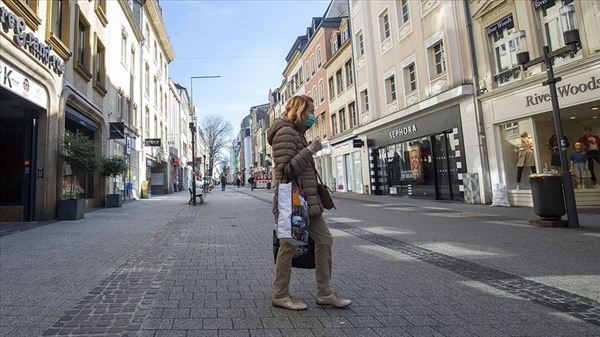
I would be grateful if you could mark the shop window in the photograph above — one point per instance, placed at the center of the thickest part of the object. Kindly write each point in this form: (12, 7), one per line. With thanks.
(402, 12)
(390, 89)
(384, 26)
(78, 185)
(82, 47)
(100, 67)
(331, 89)
(58, 28)
(100, 10)
(349, 73)
(340, 81)
(519, 151)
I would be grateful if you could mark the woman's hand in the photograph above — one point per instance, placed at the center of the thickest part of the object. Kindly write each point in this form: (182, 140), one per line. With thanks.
(315, 146)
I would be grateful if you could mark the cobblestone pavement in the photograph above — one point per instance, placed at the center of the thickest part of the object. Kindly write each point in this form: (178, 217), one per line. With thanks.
(159, 267)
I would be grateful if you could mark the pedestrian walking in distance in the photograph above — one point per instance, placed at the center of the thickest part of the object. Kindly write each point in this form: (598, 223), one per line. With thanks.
(223, 183)
(293, 157)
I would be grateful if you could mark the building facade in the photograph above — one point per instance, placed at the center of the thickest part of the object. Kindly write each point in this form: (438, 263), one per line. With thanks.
(416, 100)
(514, 102)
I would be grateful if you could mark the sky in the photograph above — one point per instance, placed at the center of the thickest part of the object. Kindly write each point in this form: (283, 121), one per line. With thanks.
(243, 41)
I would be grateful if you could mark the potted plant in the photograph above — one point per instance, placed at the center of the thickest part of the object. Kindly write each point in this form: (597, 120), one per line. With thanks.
(110, 168)
(79, 156)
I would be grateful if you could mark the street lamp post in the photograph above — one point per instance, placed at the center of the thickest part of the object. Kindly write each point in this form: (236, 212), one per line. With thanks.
(193, 129)
(571, 37)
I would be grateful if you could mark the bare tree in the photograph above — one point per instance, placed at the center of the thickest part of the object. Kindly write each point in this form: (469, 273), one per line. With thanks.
(217, 134)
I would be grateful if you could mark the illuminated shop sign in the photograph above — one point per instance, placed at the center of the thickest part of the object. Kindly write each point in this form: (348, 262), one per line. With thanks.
(30, 42)
(402, 131)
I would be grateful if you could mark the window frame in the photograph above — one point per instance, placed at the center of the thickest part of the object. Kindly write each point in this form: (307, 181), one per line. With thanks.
(364, 100)
(60, 44)
(385, 31)
(391, 89)
(339, 81)
(349, 68)
(360, 44)
(342, 116)
(409, 71)
(99, 69)
(100, 10)
(352, 112)
(82, 67)
(402, 12)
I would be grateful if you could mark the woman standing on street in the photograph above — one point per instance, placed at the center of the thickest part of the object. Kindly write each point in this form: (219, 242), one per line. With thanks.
(293, 156)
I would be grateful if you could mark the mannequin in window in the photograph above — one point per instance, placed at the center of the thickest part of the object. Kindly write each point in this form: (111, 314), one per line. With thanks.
(555, 149)
(590, 143)
(525, 156)
(579, 165)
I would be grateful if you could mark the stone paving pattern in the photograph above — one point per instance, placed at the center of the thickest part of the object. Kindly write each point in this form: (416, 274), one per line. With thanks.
(159, 267)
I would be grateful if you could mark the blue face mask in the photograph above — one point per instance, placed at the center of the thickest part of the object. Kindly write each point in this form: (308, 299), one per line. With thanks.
(310, 121)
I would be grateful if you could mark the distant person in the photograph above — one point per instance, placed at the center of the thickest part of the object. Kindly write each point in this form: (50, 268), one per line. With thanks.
(251, 182)
(293, 158)
(238, 182)
(223, 183)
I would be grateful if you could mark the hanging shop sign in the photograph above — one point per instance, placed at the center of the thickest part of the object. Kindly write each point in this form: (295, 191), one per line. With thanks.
(30, 42)
(116, 130)
(152, 142)
(18, 83)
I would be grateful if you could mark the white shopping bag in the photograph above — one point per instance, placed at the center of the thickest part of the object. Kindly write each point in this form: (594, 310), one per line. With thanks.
(292, 215)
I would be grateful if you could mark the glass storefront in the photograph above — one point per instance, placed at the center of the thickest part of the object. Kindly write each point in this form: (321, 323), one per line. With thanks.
(348, 173)
(426, 166)
(540, 131)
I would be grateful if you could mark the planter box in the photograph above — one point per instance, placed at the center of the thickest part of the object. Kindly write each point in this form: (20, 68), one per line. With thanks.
(71, 209)
(112, 200)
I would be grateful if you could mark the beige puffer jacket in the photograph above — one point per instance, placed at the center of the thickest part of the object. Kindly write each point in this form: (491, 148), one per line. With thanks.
(292, 157)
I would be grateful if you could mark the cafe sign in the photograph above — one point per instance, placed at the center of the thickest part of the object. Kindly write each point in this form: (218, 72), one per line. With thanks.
(30, 42)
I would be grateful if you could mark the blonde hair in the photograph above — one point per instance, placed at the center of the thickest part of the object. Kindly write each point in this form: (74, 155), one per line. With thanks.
(296, 108)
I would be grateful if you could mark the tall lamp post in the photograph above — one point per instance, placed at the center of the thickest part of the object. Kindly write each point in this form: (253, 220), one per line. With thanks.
(193, 129)
(572, 45)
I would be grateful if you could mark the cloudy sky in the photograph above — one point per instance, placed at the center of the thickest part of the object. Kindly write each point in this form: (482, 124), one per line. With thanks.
(244, 41)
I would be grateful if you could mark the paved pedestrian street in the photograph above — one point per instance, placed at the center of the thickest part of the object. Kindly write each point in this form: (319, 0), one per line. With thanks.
(160, 267)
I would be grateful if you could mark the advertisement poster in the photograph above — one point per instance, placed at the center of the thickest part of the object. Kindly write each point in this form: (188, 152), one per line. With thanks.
(341, 177)
(415, 163)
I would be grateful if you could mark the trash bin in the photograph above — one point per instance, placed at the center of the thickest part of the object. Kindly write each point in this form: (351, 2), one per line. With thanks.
(269, 185)
(547, 194)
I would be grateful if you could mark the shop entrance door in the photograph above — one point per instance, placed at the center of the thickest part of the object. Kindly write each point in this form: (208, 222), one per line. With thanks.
(447, 183)
(18, 136)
